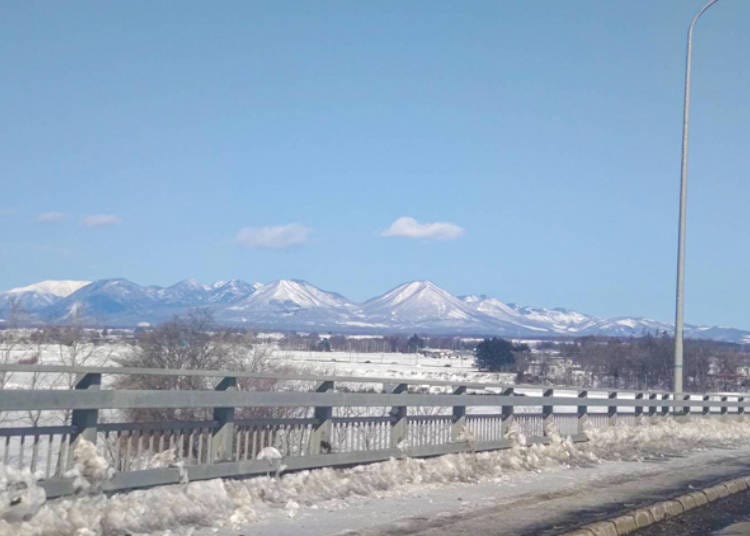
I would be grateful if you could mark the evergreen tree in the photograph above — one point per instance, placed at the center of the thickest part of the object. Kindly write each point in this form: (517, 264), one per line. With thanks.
(414, 344)
(494, 354)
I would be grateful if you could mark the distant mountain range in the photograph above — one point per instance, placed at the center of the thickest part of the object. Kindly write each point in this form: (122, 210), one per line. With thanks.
(418, 306)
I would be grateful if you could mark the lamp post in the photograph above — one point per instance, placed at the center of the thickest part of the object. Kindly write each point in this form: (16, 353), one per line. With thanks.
(680, 301)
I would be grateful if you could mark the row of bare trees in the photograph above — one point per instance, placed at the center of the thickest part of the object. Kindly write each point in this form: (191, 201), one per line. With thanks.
(647, 362)
(69, 345)
(194, 342)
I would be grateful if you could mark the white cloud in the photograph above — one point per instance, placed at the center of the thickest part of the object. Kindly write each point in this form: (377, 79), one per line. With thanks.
(273, 237)
(101, 220)
(51, 217)
(411, 228)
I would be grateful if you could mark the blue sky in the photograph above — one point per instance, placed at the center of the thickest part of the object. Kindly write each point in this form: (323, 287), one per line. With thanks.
(262, 140)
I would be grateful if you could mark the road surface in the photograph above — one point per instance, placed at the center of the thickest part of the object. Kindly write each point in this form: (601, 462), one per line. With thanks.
(545, 503)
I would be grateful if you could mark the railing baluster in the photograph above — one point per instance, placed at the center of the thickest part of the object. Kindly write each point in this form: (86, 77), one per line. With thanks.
(48, 468)
(62, 457)
(127, 460)
(21, 445)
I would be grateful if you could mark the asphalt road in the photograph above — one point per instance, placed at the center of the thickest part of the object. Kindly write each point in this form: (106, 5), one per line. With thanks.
(539, 504)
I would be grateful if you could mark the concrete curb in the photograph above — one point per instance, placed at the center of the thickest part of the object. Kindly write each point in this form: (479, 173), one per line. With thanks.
(645, 516)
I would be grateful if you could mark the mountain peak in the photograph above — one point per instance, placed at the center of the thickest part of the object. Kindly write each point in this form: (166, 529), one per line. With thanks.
(292, 294)
(421, 302)
(410, 290)
(190, 283)
(56, 287)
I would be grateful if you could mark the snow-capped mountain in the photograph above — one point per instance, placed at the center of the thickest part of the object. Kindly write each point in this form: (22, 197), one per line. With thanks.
(536, 319)
(420, 303)
(231, 291)
(289, 295)
(417, 306)
(37, 296)
(59, 288)
(185, 292)
(289, 302)
(103, 299)
(629, 327)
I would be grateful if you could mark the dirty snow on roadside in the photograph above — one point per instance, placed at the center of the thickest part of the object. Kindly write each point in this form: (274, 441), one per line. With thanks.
(180, 509)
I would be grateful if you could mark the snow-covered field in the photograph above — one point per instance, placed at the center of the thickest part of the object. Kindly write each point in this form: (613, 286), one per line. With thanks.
(180, 509)
(389, 365)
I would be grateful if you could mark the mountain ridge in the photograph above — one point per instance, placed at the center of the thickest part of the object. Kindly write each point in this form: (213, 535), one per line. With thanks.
(293, 304)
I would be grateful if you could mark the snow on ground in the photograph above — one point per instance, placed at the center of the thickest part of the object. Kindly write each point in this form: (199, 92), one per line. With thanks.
(179, 509)
(389, 365)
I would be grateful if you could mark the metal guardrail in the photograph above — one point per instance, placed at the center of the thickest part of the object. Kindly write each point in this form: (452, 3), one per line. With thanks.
(316, 428)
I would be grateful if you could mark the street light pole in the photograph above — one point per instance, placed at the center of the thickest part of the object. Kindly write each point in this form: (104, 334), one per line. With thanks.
(680, 301)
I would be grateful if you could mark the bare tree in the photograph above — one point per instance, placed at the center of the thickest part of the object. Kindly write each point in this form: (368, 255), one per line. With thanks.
(193, 343)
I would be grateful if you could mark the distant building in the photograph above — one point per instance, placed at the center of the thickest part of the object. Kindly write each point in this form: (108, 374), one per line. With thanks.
(439, 353)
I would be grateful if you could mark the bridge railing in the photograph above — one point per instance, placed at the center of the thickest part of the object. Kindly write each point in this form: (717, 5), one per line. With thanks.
(314, 421)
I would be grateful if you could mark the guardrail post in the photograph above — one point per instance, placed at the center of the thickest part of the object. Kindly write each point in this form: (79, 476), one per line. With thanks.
(458, 420)
(652, 407)
(506, 414)
(612, 410)
(85, 420)
(320, 437)
(638, 411)
(664, 407)
(583, 411)
(547, 411)
(706, 404)
(686, 409)
(723, 406)
(222, 439)
(740, 407)
(398, 419)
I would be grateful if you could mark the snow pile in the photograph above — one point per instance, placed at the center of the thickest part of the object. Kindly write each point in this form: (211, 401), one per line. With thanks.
(336, 486)
(138, 512)
(90, 470)
(20, 496)
(216, 503)
(666, 437)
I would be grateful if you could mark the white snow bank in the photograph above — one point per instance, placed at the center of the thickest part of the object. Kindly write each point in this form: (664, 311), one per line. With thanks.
(90, 470)
(180, 508)
(20, 496)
